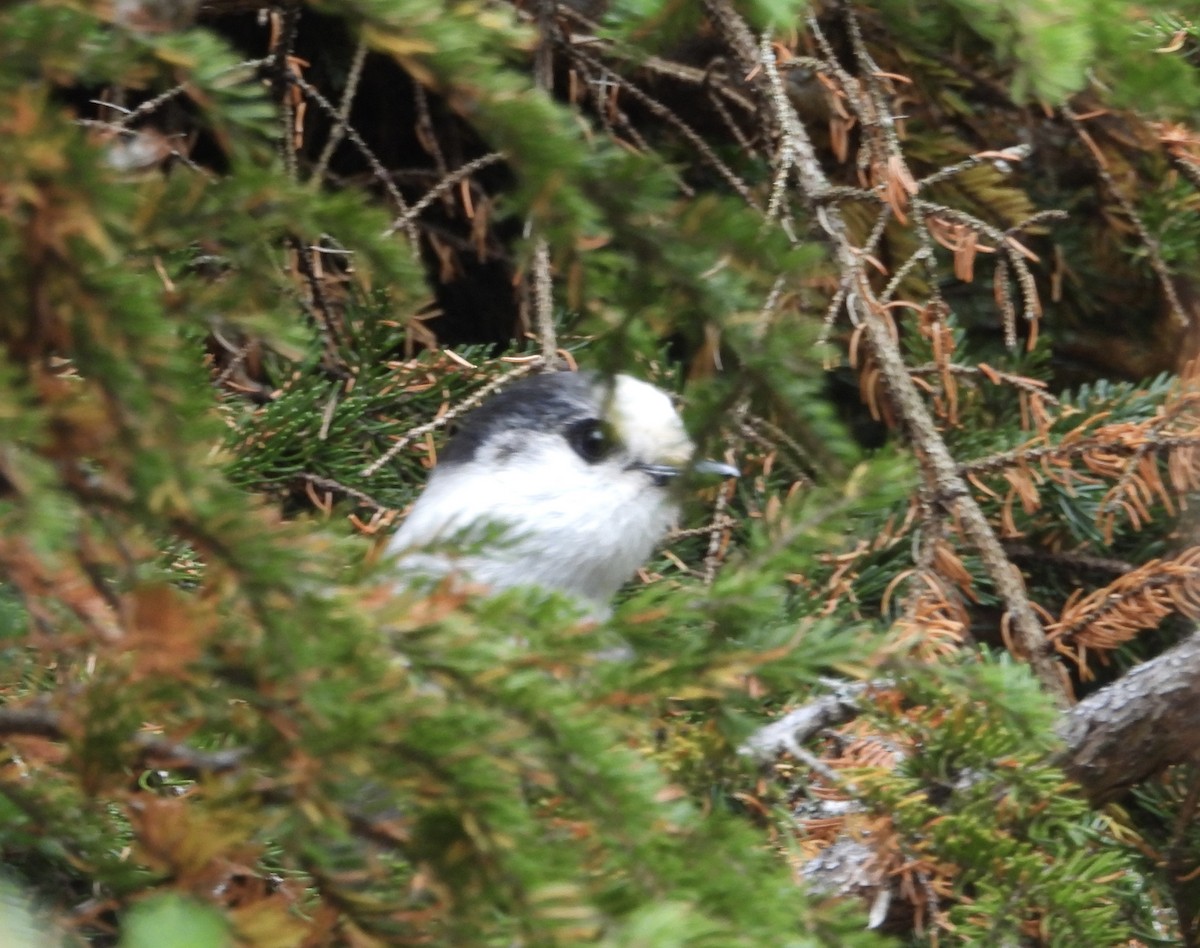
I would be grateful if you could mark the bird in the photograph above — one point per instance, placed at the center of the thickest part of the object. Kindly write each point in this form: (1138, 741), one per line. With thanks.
(563, 481)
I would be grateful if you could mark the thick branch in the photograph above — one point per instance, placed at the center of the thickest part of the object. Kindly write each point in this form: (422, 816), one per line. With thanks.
(793, 729)
(1133, 728)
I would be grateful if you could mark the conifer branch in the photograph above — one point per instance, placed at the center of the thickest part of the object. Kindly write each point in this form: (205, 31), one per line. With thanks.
(1137, 600)
(1033, 387)
(868, 313)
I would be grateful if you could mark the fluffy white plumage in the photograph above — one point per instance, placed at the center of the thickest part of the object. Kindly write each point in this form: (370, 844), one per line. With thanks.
(576, 472)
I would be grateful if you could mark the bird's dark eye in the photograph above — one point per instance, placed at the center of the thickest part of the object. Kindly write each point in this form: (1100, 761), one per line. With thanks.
(591, 440)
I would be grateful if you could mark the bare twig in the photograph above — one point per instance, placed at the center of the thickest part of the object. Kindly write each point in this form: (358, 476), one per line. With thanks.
(718, 530)
(286, 21)
(542, 279)
(129, 116)
(405, 220)
(681, 72)
(426, 131)
(380, 173)
(1067, 560)
(703, 149)
(446, 417)
(338, 131)
(543, 300)
(318, 303)
(328, 483)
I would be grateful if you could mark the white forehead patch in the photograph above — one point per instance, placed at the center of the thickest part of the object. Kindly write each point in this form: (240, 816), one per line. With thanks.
(646, 422)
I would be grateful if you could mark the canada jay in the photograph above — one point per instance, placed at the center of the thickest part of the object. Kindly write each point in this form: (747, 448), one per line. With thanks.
(561, 480)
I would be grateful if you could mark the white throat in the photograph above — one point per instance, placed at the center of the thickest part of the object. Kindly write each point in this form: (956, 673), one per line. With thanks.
(546, 537)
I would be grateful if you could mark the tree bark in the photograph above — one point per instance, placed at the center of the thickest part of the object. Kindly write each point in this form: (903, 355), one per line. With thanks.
(1138, 725)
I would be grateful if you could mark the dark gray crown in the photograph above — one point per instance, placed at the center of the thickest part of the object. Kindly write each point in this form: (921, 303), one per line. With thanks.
(549, 402)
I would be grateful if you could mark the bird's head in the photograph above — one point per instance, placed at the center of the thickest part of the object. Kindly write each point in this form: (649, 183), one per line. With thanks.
(576, 469)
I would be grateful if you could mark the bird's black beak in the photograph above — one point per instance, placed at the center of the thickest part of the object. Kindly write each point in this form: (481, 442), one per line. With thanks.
(716, 467)
(663, 474)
